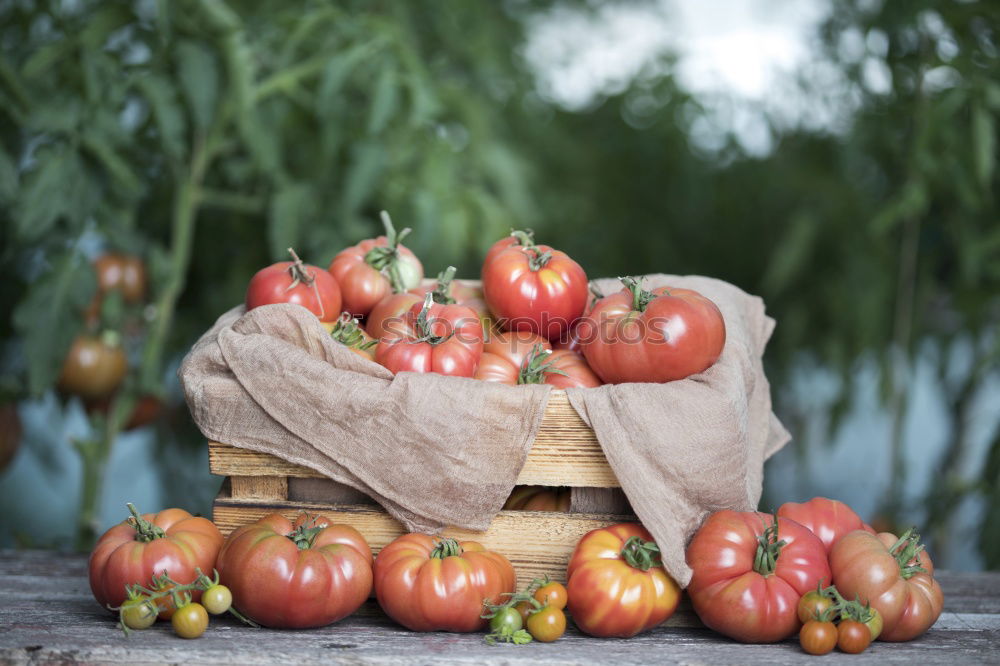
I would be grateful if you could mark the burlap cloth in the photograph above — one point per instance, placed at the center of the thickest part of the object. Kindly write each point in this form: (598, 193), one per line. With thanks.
(437, 451)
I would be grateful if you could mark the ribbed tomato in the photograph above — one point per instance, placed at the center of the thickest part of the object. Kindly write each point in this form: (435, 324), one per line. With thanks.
(894, 575)
(826, 518)
(661, 335)
(562, 369)
(616, 584)
(375, 268)
(505, 353)
(568, 369)
(750, 572)
(538, 498)
(295, 575)
(534, 288)
(447, 339)
(449, 291)
(132, 552)
(438, 584)
(295, 282)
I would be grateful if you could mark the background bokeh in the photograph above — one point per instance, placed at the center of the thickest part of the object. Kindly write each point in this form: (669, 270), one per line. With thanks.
(836, 157)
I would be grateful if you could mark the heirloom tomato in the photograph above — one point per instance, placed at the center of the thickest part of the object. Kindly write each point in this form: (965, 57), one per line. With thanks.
(616, 583)
(894, 575)
(438, 584)
(661, 335)
(447, 339)
(295, 282)
(375, 268)
(567, 369)
(449, 291)
(562, 369)
(826, 518)
(295, 575)
(538, 498)
(348, 332)
(493, 368)
(749, 573)
(387, 315)
(514, 346)
(94, 367)
(133, 551)
(534, 288)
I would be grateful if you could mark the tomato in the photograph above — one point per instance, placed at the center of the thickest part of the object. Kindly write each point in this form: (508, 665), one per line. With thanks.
(817, 637)
(571, 340)
(547, 624)
(449, 291)
(750, 572)
(296, 282)
(136, 549)
(447, 339)
(374, 268)
(10, 433)
(896, 576)
(389, 315)
(812, 605)
(577, 373)
(517, 238)
(438, 584)
(493, 368)
(853, 637)
(538, 498)
(552, 594)
(295, 575)
(138, 613)
(349, 333)
(514, 346)
(651, 336)
(874, 623)
(507, 359)
(190, 621)
(534, 288)
(94, 367)
(217, 599)
(123, 273)
(506, 618)
(616, 584)
(828, 519)
(524, 609)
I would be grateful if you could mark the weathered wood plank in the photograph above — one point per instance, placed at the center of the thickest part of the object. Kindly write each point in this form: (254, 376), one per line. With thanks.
(565, 453)
(47, 615)
(259, 487)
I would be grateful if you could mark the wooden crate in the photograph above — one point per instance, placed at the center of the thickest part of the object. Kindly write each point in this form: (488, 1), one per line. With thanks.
(564, 453)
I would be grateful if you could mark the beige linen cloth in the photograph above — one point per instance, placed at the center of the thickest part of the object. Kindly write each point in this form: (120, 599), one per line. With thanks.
(437, 451)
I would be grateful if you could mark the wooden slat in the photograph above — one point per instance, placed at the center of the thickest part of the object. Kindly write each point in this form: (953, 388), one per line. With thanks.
(259, 487)
(565, 453)
(537, 543)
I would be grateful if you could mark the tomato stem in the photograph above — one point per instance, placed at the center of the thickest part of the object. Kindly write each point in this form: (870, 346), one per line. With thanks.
(145, 531)
(535, 365)
(446, 547)
(538, 259)
(385, 258)
(768, 550)
(907, 549)
(348, 332)
(302, 276)
(641, 298)
(424, 325)
(641, 554)
(525, 238)
(441, 290)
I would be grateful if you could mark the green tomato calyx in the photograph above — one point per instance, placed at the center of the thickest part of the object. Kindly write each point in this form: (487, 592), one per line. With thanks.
(641, 554)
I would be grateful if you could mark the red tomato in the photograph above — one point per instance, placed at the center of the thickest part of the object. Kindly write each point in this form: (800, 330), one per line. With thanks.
(562, 369)
(817, 637)
(826, 518)
(748, 574)
(136, 549)
(434, 584)
(348, 332)
(295, 282)
(93, 369)
(534, 288)
(538, 498)
(651, 336)
(571, 340)
(853, 637)
(294, 575)
(447, 339)
(514, 346)
(374, 268)
(388, 316)
(578, 373)
(123, 273)
(896, 576)
(616, 585)
(449, 291)
(493, 368)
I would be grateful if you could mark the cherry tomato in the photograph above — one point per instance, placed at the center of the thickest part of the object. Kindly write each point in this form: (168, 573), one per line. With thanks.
(190, 621)
(524, 609)
(812, 604)
(93, 368)
(217, 599)
(121, 272)
(506, 618)
(296, 282)
(547, 624)
(853, 637)
(138, 613)
(552, 594)
(874, 624)
(817, 637)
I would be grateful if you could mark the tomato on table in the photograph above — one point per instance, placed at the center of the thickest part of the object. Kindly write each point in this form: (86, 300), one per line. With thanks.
(190, 620)
(616, 584)
(826, 518)
(446, 339)
(853, 637)
(818, 637)
(298, 283)
(749, 573)
(547, 624)
(295, 575)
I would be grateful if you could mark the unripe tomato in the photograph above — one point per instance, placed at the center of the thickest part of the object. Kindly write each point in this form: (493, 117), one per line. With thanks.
(217, 599)
(138, 613)
(93, 368)
(190, 621)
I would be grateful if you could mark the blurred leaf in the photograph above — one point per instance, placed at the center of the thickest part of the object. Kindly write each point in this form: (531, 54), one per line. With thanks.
(984, 144)
(49, 317)
(101, 23)
(291, 208)
(45, 57)
(128, 182)
(58, 186)
(910, 202)
(366, 167)
(790, 255)
(336, 73)
(162, 97)
(385, 100)
(199, 77)
(8, 177)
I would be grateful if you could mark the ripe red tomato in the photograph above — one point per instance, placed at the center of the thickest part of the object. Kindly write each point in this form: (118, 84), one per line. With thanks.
(538, 498)
(749, 574)
(534, 288)
(136, 549)
(438, 584)
(295, 282)
(517, 238)
(514, 346)
(447, 339)
(348, 332)
(896, 576)
(817, 637)
(577, 373)
(853, 637)
(493, 368)
(651, 336)
(294, 575)
(93, 368)
(374, 268)
(547, 624)
(388, 316)
(562, 369)
(826, 518)
(616, 585)
(449, 291)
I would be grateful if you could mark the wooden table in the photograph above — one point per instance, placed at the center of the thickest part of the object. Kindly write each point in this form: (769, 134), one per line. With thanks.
(47, 614)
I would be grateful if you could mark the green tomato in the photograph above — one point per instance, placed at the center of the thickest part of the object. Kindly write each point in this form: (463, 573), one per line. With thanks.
(217, 599)
(138, 613)
(506, 619)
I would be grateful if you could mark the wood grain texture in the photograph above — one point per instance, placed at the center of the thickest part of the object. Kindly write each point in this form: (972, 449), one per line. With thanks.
(564, 453)
(259, 487)
(47, 615)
